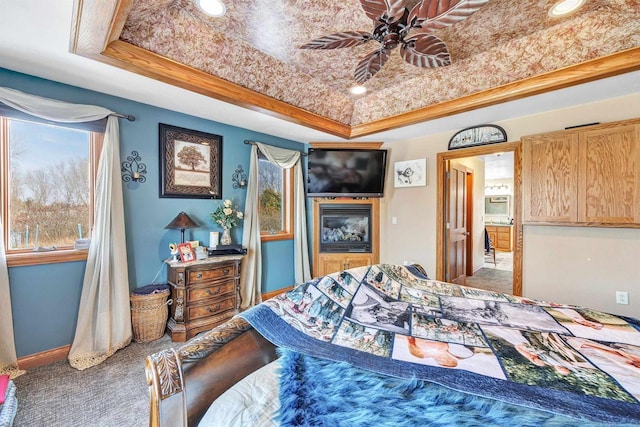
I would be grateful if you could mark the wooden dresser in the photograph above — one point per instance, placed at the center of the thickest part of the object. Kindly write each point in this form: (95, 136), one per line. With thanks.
(205, 293)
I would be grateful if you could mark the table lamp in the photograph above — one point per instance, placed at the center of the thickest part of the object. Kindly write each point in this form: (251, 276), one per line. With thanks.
(182, 222)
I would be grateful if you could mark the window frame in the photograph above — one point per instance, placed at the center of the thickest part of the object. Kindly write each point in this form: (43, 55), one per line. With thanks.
(288, 201)
(26, 257)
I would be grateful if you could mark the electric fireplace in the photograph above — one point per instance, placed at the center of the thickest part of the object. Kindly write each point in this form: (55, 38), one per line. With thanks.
(345, 228)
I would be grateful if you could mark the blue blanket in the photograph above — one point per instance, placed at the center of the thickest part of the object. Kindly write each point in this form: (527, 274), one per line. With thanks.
(558, 358)
(318, 392)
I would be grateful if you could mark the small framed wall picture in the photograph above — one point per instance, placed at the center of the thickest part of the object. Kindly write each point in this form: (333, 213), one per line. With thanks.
(186, 252)
(410, 173)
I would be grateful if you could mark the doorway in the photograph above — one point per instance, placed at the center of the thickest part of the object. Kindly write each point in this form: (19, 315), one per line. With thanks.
(442, 233)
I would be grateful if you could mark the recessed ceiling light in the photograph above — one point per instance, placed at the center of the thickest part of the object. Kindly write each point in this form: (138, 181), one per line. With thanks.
(358, 90)
(213, 8)
(565, 7)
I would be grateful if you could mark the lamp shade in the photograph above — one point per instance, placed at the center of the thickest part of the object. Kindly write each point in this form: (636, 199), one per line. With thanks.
(182, 221)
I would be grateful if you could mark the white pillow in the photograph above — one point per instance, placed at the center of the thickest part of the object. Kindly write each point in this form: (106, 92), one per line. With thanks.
(251, 402)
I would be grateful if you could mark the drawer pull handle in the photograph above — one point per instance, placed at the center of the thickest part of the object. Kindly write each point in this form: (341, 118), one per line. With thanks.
(199, 276)
(213, 293)
(211, 310)
(225, 271)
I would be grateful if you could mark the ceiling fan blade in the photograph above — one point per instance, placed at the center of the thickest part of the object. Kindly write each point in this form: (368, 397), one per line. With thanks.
(386, 11)
(339, 40)
(425, 50)
(436, 14)
(371, 64)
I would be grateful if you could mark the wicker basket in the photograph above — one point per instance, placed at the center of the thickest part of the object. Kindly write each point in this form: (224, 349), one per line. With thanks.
(149, 315)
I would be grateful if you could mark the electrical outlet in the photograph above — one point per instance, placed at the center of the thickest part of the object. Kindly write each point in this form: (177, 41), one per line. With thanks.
(622, 297)
(394, 220)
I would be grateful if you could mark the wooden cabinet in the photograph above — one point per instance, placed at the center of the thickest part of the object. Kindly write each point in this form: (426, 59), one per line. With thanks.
(329, 262)
(584, 176)
(205, 293)
(501, 236)
(550, 177)
(609, 174)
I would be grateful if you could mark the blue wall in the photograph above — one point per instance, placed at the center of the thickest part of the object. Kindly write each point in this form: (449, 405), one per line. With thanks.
(45, 298)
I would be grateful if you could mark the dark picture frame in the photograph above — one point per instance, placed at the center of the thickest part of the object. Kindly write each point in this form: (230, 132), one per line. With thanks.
(190, 163)
(477, 135)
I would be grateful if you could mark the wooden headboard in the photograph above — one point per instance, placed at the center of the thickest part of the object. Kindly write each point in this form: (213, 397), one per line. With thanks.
(184, 382)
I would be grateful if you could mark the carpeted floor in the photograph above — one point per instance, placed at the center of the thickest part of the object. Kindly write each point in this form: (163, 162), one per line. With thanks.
(492, 279)
(111, 394)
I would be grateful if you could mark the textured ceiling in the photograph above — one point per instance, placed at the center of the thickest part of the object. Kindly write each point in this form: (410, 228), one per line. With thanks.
(255, 46)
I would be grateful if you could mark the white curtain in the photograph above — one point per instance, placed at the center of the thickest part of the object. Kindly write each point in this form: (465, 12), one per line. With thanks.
(252, 263)
(8, 359)
(104, 320)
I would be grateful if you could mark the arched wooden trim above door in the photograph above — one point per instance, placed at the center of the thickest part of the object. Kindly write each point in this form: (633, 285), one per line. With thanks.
(442, 158)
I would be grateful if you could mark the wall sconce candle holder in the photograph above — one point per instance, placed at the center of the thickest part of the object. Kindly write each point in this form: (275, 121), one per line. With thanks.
(239, 178)
(133, 169)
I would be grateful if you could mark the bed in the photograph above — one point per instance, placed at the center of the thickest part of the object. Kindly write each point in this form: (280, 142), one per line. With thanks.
(384, 345)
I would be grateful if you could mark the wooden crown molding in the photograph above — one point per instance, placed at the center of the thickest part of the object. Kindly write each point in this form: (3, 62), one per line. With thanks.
(356, 145)
(97, 25)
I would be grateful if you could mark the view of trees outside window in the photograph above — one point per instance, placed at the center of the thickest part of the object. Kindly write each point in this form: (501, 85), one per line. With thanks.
(49, 185)
(270, 189)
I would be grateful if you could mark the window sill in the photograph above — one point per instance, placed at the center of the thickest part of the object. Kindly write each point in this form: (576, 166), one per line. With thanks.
(276, 236)
(37, 258)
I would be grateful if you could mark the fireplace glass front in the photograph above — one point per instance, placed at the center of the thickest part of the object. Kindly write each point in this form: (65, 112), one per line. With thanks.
(345, 228)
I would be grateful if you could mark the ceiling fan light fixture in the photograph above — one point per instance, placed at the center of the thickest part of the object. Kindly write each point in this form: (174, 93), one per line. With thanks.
(358, 90)
(394, 20)
(214, 8)
(565, 7)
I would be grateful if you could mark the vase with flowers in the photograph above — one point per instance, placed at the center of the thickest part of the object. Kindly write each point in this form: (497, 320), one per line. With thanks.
(226, 216)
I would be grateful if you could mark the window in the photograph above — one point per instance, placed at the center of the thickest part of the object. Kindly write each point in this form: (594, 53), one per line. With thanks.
(275, 189)
(46, 188)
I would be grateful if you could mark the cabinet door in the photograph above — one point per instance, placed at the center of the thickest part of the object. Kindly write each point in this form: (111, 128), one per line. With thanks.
(493, 235)
(549, 177)
(330, 264)
(609, 170)
(359, 260)
(504, 239)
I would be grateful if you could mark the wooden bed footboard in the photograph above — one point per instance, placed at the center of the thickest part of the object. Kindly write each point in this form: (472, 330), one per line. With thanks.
(184, 382)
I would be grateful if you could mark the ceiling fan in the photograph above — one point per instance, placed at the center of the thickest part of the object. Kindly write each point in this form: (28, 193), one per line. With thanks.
(393, 23)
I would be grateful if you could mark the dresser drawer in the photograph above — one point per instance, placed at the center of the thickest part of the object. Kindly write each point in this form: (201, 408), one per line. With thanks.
(206, 310)
(201, 294)
(199, 276)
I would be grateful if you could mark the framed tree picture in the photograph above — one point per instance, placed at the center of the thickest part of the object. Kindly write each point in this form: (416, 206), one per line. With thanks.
(190, 163)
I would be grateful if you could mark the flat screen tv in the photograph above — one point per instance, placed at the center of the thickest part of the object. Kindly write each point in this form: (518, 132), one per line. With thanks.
(343, 172)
